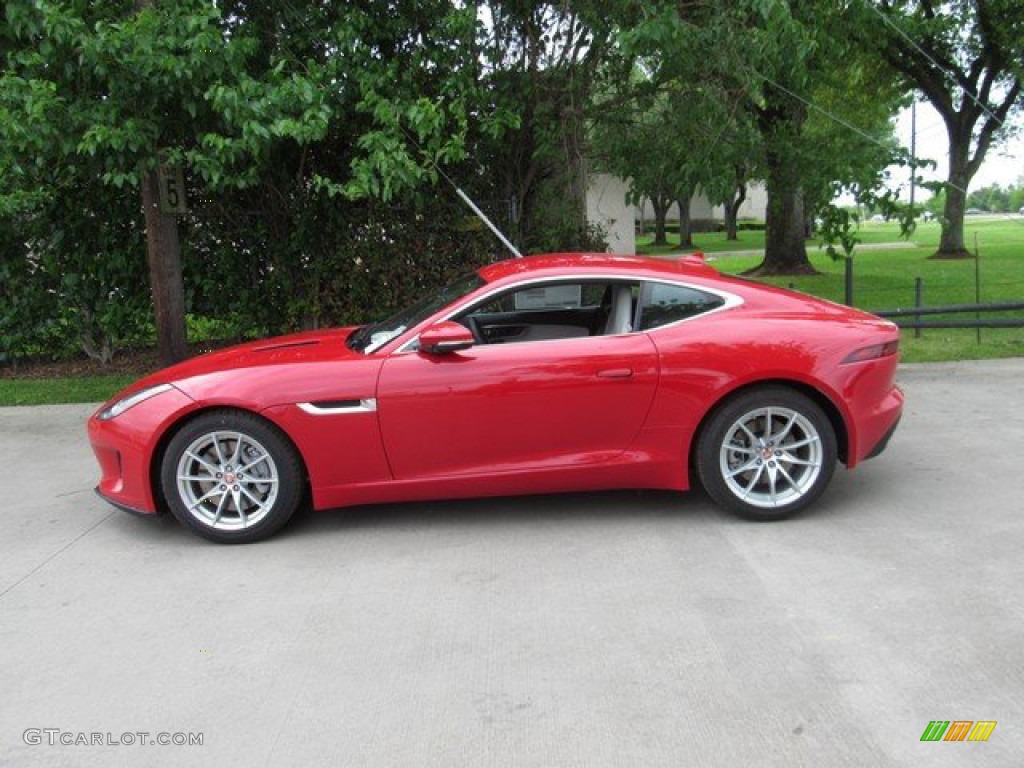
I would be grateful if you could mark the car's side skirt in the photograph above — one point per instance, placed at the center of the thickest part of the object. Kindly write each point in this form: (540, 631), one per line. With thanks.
(629, 470)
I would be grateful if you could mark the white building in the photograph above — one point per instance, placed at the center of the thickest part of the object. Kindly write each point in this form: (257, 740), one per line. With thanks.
(608, 208)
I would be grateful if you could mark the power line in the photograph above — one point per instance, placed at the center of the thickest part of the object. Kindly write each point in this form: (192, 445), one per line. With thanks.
(928, 56)
(823, 111)
(832, 116)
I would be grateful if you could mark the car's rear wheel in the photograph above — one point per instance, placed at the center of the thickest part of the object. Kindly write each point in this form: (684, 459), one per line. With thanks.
(767, 453)
(231, 477)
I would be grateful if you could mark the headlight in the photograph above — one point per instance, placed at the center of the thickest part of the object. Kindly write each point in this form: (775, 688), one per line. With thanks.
(116, 409)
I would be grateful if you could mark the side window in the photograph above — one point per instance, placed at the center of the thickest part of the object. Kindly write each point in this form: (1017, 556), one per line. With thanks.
(560, 296)
(664, 303)
(550, 310)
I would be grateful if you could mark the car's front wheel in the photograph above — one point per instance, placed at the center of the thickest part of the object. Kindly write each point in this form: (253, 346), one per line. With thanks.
(767, 453)
(231, 477)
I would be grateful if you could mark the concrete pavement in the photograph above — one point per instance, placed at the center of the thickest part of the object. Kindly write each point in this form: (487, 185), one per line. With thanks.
(620, 629)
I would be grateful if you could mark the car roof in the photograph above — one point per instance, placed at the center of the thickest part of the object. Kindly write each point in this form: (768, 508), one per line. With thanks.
(691, 268)
(568, 263)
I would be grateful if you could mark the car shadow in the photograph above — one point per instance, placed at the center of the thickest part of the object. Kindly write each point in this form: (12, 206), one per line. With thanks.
(566, 509)
(609, 507)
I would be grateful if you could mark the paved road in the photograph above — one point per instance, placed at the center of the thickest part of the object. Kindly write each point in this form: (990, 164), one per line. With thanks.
(624, 629)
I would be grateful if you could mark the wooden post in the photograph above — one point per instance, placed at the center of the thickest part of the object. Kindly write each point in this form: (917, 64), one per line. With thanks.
(163, 250)
(918, 303)
(849, 280)
(977, 286)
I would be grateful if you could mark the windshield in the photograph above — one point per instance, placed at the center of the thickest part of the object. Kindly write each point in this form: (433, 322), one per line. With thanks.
(372, 337)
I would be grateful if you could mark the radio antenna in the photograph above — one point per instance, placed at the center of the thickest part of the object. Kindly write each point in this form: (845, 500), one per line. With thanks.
(467, 200)
(483, 217)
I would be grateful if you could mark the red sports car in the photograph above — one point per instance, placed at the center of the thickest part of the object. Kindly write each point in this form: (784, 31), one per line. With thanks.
(565, 372)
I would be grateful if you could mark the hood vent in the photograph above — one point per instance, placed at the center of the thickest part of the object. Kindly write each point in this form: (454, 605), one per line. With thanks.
(287, 345)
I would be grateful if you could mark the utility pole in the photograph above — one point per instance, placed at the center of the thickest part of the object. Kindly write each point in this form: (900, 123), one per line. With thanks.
(913, 148)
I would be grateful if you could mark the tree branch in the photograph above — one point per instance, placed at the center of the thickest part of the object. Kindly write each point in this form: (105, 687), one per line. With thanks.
(991, 125)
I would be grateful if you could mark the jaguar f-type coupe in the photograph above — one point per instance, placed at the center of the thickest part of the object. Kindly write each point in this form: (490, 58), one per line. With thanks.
(564, 372)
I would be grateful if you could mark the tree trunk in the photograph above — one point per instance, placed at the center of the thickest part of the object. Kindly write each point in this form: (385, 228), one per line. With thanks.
(780, 123)
(951, 244)
(660, 206)
(732, 210)
(685, 235)
(165, 280)
(785, 251)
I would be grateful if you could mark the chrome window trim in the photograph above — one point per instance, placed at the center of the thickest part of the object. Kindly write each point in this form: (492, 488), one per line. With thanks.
(731, 300)
(366, 405)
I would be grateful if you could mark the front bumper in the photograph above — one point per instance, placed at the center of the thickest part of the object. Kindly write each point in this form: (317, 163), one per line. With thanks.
(125, 507)
(125, 445)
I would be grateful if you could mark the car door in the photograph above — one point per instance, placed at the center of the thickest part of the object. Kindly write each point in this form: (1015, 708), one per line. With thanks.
(519, 406)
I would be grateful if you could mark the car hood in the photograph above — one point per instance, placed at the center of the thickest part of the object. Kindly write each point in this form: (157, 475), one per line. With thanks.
(279, 350)
(285, 369)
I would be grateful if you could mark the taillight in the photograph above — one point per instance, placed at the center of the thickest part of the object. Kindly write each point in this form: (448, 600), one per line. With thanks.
(874, 352)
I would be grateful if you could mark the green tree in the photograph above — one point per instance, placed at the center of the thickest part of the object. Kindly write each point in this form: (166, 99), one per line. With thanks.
(225, 90)
(1016, 198)
(936, 204)
(851, 131)
(966, 57)
(640, 143)
(672, 138)
(775, 59)
(537, 63)
(991, 198)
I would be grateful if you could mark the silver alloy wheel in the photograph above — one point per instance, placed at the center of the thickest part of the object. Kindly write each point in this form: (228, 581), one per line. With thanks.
(227, 480)
(771, 457)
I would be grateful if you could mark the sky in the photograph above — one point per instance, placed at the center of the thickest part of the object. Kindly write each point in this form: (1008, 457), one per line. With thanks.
(1004, 164)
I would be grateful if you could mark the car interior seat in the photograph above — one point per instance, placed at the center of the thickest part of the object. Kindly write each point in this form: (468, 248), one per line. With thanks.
(620, 319)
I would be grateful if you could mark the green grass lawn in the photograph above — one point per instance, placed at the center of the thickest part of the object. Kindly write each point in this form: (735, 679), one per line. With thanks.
(709, 242)
(990, 229)
(884, 279)
(82, 389)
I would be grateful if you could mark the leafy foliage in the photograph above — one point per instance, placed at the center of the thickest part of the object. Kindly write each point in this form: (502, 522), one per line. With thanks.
(284, 118)
(784, 80)
(314, 135)
(996, 199)
(966, 57)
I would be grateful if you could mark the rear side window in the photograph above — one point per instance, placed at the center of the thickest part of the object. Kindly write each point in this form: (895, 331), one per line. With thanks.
(663, 303)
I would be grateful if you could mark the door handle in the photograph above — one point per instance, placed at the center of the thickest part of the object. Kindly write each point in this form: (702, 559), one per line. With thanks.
(615, 373)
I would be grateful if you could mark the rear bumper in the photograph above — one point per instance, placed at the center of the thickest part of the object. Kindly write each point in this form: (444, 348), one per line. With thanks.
(881, 445)
(876, 428)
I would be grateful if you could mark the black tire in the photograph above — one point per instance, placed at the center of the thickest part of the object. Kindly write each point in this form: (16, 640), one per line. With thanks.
(216, 485)
(753, 465)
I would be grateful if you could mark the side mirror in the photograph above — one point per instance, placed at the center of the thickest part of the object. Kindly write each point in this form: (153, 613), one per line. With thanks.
(445, 338)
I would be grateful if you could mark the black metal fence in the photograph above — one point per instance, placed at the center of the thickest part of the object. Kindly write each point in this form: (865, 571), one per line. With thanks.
(917, 311)
(910, 317)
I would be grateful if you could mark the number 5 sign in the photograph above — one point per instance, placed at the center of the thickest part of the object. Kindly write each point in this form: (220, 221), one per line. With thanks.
(172, 189)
